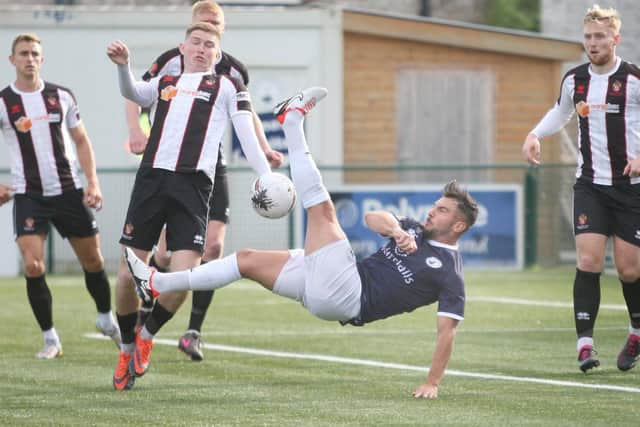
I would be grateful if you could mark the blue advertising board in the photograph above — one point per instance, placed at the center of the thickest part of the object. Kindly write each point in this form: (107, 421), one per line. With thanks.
(495, 241)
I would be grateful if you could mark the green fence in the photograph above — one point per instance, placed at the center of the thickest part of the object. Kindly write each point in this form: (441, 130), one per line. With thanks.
(547, 218)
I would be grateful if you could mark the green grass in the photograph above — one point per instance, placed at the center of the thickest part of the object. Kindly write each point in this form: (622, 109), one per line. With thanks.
(238, 389)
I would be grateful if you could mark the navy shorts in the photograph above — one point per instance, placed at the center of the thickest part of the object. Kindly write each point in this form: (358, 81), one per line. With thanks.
(607, 210)
(68, 214)
(179, 200)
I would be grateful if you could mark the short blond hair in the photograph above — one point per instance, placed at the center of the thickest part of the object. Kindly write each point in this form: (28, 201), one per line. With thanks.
(609, 16)
(203, 26)
(206, 6)
(24, 37)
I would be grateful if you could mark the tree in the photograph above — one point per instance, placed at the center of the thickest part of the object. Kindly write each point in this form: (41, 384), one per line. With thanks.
(517, 14)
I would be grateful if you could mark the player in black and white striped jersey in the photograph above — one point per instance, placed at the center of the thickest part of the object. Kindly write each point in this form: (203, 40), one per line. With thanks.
(176, 175)
(171, 63)
(41, 124)
(605, 92)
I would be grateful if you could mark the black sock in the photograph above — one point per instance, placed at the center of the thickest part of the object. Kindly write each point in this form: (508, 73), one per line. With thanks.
(98, 286)
(127, 324)
(631, 292)
(154, 264)
(586, 301)
(159, 316)
(40, 300)
(200, 302)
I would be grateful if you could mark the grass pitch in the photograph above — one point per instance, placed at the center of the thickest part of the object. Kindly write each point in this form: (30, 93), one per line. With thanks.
(514, 363)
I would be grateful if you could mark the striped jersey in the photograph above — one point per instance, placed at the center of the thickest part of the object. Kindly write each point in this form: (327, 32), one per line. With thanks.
(35, 127)
(192, 113)
(171, 63)
(608, 108)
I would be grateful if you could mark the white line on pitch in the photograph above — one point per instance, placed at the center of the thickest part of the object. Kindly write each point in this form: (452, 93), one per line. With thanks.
(399, 366)
(520, 301)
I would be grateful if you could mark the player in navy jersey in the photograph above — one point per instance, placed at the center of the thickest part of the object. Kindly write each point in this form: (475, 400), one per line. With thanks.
(175, 178)
(171, 62)
(41, 124)
(605, 92)
(419, 265)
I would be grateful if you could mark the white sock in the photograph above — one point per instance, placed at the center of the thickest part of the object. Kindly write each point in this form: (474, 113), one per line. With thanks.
(166, 282)
(304, 172)
(105, 320)
(51, 336)
(145, 334)
(634, 331)
(212, 275)
(584, 341)
(215, 274)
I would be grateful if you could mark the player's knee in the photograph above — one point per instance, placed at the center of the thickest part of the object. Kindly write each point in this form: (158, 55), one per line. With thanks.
(247, 262)
(212, 250)
(628, 273)
(93, 263)
(590, 263)
(33, 267)
(124, 279)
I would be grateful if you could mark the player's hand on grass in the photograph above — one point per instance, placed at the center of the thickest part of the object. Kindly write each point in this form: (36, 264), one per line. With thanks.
(426, 391)
(531, 149)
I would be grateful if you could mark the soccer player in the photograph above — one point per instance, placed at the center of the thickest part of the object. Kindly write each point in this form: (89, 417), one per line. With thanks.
(175, 178)
(419, 265)
(171, 62)
(605, 92)
(39, 120)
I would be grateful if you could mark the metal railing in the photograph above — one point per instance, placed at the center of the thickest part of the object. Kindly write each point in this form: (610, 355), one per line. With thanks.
(547, 202)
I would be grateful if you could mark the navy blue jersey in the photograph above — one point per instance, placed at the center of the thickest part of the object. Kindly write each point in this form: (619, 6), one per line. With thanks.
(395, 282)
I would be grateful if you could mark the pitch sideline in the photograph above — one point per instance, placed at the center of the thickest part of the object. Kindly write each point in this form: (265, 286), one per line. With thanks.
(387, 365)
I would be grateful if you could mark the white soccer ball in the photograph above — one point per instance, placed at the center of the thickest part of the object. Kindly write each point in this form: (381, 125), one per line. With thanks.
(273, 195)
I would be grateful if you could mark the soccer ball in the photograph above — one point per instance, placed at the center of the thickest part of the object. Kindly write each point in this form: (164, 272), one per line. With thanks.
(273, 195)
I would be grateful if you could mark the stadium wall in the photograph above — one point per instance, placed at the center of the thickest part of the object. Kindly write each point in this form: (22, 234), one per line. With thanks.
(356, 54)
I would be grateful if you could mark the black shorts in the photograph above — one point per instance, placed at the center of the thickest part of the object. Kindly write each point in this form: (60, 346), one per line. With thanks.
(607, 210)
(69, 215)
(180, 200)
(219, 200)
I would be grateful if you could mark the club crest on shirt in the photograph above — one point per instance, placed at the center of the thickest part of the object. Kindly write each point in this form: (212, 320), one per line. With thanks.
(168, 93)
(23, 124)
(15, 109)
(433, 262)
(52, 100)
(616, 88)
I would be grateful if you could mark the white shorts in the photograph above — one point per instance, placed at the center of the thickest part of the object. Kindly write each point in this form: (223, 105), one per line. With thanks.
(332, 282)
